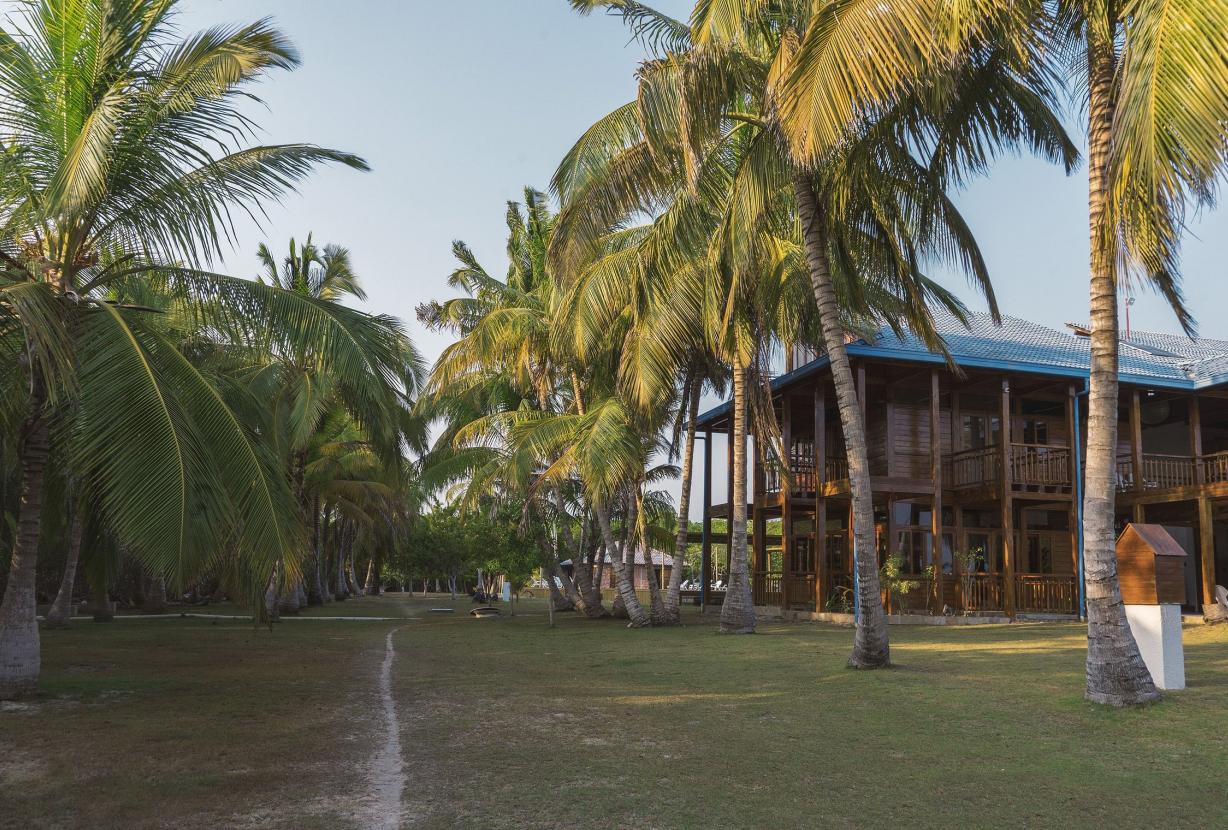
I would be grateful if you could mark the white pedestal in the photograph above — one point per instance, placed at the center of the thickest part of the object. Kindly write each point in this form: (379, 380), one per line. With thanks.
(1157, 630)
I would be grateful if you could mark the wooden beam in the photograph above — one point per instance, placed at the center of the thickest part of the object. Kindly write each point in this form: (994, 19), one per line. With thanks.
(1072, 517)
(1206, 548)
(861, 387)
(1136, 438)
(820, 502)
(1008, 506)
(705, 566)
(1195, 419)
(936, 472)
(786, 503)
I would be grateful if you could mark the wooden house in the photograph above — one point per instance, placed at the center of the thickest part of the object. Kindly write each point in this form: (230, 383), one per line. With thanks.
(977, 472)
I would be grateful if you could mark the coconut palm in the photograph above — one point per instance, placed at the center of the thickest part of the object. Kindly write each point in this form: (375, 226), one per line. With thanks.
(1156, 82)
(305, 394)
(873, 205)
(1157, 105)
(125, 159)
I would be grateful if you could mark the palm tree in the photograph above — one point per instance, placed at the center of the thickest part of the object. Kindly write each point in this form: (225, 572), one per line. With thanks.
(870, 212)
(124, 162)
(1157, 89)
(1157, 105)
(305, 394)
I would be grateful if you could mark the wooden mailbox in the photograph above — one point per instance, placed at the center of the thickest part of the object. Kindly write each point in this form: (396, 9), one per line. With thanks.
(1151, 566)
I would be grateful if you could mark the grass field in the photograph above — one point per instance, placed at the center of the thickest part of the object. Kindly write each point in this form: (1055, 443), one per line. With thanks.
(507, 723)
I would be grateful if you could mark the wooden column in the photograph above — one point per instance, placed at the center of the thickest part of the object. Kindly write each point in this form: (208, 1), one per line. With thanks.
(729, 498)
(936, 473)
(890, 544)
(861, 387)
(1206, 548)
(1136, 439)
(820, 502)
(1072, 513)
(758, 525)
(1200, 472)
(705, 566)
(1008, 512)
(786, 499)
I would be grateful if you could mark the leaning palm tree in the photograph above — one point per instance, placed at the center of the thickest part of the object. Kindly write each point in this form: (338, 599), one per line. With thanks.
(125, 159)
(870, 212)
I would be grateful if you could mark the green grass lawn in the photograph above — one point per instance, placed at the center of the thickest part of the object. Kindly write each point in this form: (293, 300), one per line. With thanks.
(507, 723)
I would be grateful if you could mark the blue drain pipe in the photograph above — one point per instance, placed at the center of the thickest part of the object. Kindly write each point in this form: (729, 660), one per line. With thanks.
(1077, 441)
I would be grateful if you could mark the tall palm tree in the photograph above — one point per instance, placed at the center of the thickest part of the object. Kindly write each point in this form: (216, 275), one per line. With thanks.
(1157, 105)
(124, 160)
(870, 208)
(1157, 93)
(304, 393)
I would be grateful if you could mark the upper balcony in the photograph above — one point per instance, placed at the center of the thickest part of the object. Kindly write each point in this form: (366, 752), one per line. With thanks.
(1032, 467)
(1165, 472)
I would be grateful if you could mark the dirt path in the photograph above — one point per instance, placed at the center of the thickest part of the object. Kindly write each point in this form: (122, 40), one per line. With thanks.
(388, 777)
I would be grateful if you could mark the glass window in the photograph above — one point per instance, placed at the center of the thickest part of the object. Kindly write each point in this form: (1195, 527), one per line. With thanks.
(980, 431)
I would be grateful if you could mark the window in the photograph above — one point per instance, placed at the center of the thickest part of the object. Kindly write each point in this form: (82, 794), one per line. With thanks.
(1040, 553)
(985, 548)
(1035, 431)
(980, 431)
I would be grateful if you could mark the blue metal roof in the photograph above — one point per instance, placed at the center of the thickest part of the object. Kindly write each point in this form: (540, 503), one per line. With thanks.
(1146, 358)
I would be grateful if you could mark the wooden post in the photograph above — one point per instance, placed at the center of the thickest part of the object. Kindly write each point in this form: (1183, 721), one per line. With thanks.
(1200, 472)
(705, 556)
(1206, 545)
(1072, 513)
(786, 500)
(861, 387)
(820, 501)
(1136, 439)
(936, 473)
(1139, 513)
(1008, 507)
(891, 539)
(758, 525)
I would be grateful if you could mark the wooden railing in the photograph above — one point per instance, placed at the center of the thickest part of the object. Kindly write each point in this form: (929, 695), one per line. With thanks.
(1045, 594)
(800, 591)
(765, 587)
(1215, 467)
(1040, 465)
(980, 592)
(1163, 471)
(802, 470)
(975, 468)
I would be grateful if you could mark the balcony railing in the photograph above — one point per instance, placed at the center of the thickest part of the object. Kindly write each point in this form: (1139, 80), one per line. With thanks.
(1159, 472)
(803, 475)
(1031, 465)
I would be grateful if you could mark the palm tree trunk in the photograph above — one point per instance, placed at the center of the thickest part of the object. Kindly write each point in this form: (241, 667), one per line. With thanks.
(315, 587)
(673, 613)
(871, 648)
(588, 599)
(61, 610)
(738, 610)
(20, 652)
(1116, 673)
(656, 603)
(623, 578)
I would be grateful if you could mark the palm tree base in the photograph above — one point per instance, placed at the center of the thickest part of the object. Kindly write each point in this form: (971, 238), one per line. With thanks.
(1121, 700)
(867, 664)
